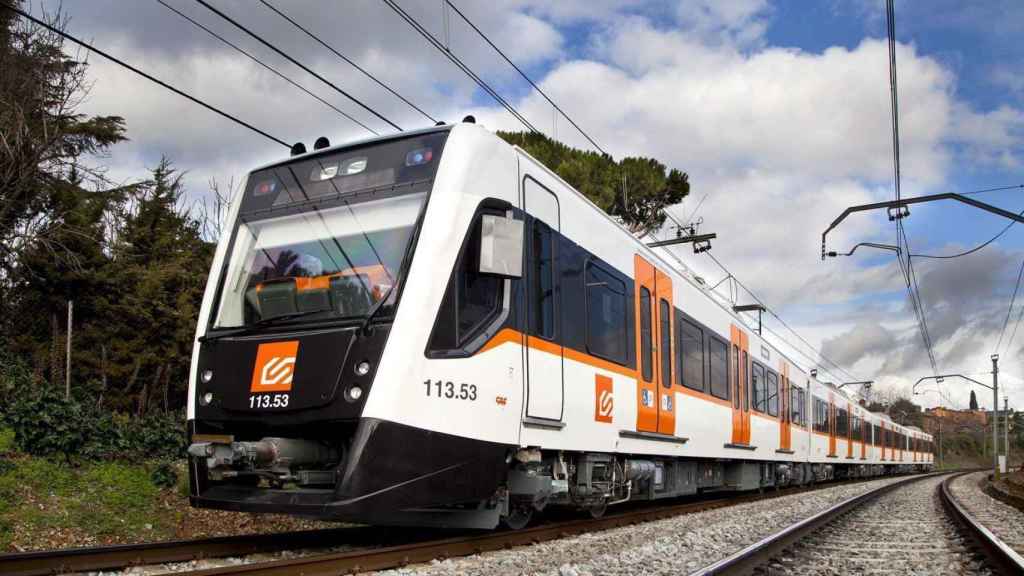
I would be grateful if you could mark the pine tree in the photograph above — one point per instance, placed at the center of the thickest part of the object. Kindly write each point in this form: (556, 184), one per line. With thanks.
(974, 401)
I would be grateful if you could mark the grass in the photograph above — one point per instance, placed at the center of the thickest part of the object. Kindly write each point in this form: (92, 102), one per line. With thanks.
(112, 502)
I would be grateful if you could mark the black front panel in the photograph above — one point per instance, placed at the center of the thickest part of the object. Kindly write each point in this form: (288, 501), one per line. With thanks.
(250, 377)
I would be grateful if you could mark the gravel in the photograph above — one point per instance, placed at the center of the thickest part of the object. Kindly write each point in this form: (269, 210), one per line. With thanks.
(1003, 520)
(903, 532)
(671, 546)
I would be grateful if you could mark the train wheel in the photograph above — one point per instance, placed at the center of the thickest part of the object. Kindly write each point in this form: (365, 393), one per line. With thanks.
(598, 510)
(518, 518)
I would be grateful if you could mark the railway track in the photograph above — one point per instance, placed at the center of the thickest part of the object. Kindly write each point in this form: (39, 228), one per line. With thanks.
(993, 525)
(370, 552)
(914, 526)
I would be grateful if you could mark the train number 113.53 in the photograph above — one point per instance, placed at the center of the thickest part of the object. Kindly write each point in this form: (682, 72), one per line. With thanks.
(450, 390)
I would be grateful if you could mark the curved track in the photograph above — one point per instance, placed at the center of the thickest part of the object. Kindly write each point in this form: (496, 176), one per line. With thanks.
(971, 516)
(915, 526)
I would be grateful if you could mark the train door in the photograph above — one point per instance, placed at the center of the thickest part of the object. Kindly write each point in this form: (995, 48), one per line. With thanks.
(785, 411)
(885, 440)
(654, 349)
(543, 352)
(739, 384)
(831, 425)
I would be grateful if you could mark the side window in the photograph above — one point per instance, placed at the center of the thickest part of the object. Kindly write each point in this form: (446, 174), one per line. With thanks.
(471, 301)
(542, 284)
(606, 315)
(737, 397)
(772, 394)
(645, 333)
(746, 382)
(794, 405)
(691, 350)
(757, 386)
(718, 358)
(841, 423)
(666, 342)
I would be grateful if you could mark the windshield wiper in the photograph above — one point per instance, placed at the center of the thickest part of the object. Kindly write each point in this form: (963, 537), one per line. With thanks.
(376, 308)
(288, 316)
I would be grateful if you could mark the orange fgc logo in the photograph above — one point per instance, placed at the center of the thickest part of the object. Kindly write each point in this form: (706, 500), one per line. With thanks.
(275, 367)
(604, 400)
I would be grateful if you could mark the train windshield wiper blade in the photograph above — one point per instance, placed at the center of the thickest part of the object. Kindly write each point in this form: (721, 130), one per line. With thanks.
(288, 316)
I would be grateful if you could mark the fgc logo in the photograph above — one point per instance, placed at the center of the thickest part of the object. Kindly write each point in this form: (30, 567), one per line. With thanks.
(604, 399)
(275, 367)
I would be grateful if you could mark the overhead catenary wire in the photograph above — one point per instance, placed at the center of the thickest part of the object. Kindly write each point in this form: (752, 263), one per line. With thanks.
(320, 41)
(145, 75)
(523, 74)
(265, 65)
(289, 58)
(458, 63)
(1009, 311)
(907, 268)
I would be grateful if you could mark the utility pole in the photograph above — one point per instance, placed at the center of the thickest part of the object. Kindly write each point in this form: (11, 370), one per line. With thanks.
(995, 416)
(1006, 429)
(67, 361)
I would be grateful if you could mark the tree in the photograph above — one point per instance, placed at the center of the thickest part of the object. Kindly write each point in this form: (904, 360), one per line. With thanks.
(974, 401)
(635, 189)
(42, 136)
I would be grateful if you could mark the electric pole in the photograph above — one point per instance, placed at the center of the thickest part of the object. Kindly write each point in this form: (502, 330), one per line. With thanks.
(67, 361)
(1006, 429)
(995, 416)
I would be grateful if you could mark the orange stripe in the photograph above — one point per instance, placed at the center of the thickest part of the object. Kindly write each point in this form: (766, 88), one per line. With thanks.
(507, 335)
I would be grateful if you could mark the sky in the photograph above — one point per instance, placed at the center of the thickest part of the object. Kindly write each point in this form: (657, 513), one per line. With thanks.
(778, 111)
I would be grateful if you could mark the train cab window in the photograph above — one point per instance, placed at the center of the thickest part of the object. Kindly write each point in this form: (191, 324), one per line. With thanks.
(757, 384)
(542, 284)
(606, 314)
(471, 301)
(772, 393)
(718, 359)
(666, 342)
(691, 352)
(645, 334)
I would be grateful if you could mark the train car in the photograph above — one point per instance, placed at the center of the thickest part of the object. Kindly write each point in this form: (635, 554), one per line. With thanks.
(432, 328)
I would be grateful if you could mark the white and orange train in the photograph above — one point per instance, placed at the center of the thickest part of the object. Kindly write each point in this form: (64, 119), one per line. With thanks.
(432, 328)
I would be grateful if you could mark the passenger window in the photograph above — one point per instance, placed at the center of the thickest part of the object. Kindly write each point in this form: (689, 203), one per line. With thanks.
(471, 301)
(718, 358)
(736, 372)
(772, 393)
(691, 344)
(542, 283)
(666, 343)
(645, 334)
(757, 386)
(746, 383)
(606, 315)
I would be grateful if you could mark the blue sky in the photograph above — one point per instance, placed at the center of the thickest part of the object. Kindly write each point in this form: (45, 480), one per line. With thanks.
(779, 112)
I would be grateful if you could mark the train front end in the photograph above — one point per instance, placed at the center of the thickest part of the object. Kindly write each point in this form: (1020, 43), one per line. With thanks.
(297, 313)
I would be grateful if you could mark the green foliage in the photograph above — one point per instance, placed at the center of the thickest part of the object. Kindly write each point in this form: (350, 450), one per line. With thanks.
(651, 187)
(164, 475)
(46, 424)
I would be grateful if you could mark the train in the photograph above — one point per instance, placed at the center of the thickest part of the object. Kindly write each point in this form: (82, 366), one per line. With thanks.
(433, 329)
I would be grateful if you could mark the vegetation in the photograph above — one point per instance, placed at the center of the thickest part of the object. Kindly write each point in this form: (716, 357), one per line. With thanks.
(649, 186)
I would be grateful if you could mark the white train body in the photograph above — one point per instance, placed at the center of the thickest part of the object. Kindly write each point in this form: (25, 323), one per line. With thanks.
(496, 362)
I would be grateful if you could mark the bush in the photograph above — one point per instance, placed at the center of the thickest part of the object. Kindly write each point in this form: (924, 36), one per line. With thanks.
(46, 424)
(164, 475)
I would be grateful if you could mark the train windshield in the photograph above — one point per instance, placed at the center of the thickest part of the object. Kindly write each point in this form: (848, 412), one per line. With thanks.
(326, 238)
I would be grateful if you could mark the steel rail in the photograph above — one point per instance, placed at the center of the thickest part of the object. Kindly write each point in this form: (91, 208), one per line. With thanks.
(398, 556)
(748, 559)
(998, 552)
(125, 555)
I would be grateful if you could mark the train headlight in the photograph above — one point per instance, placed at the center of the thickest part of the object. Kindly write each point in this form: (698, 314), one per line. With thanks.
(207, 398)
(363, 368)
(355, 392)
(206, 376)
